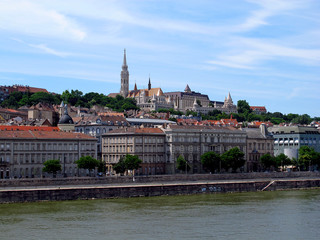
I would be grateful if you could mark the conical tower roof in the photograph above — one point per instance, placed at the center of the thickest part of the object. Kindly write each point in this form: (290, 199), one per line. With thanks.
(187, 89)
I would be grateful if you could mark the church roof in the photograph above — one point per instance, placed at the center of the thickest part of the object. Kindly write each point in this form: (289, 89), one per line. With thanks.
(148, 93)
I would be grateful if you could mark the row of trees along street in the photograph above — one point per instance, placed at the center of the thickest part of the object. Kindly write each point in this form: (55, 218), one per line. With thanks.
(308, 159)
(127, 163)
(231, 159)
(85, 162)
(213, 162)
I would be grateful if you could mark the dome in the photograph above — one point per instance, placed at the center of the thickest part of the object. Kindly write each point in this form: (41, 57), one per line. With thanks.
(66, 119)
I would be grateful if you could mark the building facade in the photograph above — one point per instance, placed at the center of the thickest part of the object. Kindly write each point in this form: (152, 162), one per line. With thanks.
(96, 126)
(23, 152)
(146, 143)
(193, 141)
(259, 142)
(289, 139)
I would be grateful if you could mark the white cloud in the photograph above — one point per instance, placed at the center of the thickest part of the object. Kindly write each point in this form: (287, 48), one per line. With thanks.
(43, 48)
(231, 64)
(48, 50)
(26, 17)
(268, 9)
(251, 53)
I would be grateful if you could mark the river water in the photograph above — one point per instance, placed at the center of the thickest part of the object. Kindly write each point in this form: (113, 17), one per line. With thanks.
(255, 215)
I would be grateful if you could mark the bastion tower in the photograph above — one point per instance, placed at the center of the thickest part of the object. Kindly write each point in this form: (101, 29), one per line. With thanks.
(124, 90)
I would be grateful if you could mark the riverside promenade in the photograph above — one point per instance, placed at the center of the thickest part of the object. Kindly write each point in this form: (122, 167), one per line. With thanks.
(29, 190)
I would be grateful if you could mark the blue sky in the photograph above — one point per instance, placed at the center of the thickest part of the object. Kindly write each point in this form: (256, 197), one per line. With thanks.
(264, 51)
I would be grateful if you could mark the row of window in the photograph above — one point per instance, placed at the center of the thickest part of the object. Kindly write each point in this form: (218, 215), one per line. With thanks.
(47, 146)
(259, 146)
(131, 139)
(145, 158)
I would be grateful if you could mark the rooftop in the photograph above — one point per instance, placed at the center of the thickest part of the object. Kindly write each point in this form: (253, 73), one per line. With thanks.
(53, 135)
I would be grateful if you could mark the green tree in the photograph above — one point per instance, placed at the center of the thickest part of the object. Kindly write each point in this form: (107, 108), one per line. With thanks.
(120, 167)
(43, 97)
(102, 166)
(52, 166)
(132, 162)
(173, 119)
(211, 161)
(302, 119)
(296, 162)
(268, 161)
(233, 159)
(243, 106)
(182, 164)
(283, 160)
(71, 97)
(87, 162)
(308, 156)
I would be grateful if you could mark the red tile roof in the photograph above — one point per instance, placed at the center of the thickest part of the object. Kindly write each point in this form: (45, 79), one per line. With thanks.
(258, 108)
(12, 111)
(53, 135)
(27, 128)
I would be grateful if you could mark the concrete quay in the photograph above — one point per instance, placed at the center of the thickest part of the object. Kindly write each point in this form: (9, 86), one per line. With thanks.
(136, 189)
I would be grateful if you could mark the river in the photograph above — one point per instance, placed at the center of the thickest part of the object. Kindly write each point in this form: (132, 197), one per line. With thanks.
(253, 215)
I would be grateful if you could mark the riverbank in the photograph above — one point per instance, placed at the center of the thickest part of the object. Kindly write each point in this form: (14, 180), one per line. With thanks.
(136, 189)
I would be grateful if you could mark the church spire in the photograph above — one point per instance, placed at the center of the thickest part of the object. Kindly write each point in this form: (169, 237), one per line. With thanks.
(124, 59)
(124, 90)
(149, 84)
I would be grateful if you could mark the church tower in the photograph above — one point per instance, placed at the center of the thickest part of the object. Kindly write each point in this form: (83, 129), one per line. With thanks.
(124, 90)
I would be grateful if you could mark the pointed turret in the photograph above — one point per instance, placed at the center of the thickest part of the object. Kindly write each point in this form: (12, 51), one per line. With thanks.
(229, 97)
(135, 87)
(149, 84)
(187, 89)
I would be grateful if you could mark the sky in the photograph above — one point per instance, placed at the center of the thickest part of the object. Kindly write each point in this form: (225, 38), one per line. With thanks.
(266, 52)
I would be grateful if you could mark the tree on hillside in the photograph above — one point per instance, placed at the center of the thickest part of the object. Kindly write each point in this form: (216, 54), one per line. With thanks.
(243, 106)
(87, 162)
(44, 97)
(233, 159)
(211, 161)
(73, 98)
(52, 166)
(302, 119)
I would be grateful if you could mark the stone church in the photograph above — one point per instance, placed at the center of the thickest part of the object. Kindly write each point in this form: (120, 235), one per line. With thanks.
(153, 98)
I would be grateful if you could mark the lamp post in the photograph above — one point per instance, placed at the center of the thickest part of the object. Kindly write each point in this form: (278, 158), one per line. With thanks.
(186, 166)
(64, 166)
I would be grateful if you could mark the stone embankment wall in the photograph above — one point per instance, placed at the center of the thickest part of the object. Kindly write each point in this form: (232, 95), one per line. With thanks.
(155, 189)
(151, 179)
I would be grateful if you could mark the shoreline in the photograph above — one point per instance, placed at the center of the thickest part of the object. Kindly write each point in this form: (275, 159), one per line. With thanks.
(148, 189)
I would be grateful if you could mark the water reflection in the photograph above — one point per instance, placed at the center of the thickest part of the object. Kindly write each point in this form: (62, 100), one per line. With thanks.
(259, 215)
